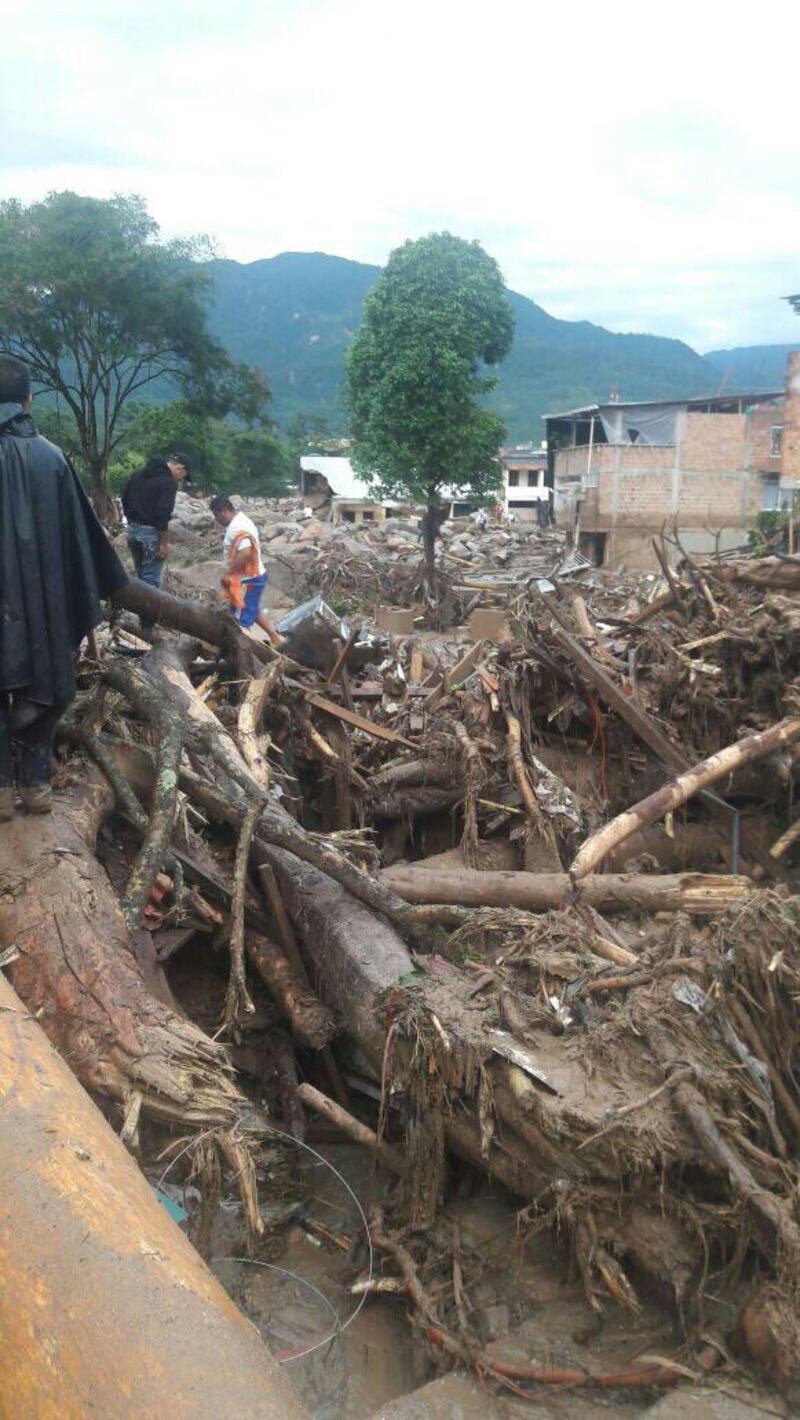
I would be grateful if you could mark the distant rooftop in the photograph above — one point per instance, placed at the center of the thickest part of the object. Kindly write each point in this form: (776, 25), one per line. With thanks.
(708, 404)
(344, 482)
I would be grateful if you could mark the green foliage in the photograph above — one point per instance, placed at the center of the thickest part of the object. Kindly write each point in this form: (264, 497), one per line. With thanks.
(102, 310)
(770, 531)
(224, 458)
(436, 319)
(295, 315)
(258, 465)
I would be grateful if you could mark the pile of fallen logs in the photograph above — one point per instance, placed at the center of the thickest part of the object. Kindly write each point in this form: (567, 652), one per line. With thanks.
(546, 890)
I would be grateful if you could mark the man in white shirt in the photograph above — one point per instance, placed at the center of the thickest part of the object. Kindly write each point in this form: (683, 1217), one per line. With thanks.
(244, 578)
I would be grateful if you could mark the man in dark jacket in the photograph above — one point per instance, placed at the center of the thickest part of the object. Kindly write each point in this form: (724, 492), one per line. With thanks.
(55, 565)
(148, 502)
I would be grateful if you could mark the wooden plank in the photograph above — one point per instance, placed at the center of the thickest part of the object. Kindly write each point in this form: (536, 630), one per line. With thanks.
(344, 651)
(359, 722)
(467, 663)
(641, 724)
(458, 673)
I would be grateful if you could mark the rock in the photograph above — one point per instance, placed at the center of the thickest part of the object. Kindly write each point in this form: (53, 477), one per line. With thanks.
(316, 531)
(701, 1403)
(458, 1396)
(494, 1321)
(198, 576)
(192, 512)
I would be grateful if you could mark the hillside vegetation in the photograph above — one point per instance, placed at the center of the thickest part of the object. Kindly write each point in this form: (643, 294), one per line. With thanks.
(294, 316)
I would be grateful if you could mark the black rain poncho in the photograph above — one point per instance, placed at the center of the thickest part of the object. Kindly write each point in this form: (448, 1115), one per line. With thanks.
(55, 564)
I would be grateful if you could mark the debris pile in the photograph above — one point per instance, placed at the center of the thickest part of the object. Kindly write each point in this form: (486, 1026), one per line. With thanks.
(521, 909)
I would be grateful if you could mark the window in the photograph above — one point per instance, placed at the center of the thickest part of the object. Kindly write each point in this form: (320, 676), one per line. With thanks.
(773, 496)
(513, 478)
(777, 441)
(368, 516)
(348, 516)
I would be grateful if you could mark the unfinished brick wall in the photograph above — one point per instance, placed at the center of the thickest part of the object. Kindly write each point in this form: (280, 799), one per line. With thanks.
(713, 442)
(710, 481)
(760, 424)
(790, 468)
(640, 494)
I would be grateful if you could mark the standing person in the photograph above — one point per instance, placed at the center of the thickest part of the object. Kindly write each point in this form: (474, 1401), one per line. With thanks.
(148, 502)
(55, 565)
(244, 577)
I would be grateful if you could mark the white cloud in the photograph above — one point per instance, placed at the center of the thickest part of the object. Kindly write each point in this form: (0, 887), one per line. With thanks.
(638, 174)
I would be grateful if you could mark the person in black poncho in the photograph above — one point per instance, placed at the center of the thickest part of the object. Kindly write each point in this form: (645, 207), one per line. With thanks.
(56, 564)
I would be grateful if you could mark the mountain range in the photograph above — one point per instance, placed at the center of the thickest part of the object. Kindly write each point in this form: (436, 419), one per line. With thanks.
(294, 316)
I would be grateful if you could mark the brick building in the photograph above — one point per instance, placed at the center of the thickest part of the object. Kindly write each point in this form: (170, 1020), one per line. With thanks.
(622, 471)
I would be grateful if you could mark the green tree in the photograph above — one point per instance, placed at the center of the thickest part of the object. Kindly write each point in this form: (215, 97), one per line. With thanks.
(162, 428)
(416, 372)
(258, 465)
(101, 310)
(225, 458)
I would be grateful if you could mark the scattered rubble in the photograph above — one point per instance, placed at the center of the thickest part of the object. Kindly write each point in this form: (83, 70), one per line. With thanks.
(387, 865)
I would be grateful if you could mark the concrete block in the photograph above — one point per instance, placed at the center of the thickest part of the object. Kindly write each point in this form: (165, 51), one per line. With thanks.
(397, 621)
(490, 624)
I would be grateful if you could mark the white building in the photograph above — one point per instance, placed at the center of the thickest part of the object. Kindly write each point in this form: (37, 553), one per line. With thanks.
(524, 479)
(330, 485)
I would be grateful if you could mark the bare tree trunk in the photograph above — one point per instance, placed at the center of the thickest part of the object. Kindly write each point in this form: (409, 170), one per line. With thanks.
(88, 1250)
(102, 498)
(430, 531)
(699, 894)
(671, 796)
(77, 973)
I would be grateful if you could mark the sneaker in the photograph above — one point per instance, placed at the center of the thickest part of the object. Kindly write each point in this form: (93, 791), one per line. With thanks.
(36, 798)
(7, 801)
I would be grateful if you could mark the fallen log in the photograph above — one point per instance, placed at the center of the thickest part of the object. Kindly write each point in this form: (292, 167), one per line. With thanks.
(105, 1308)
(679, 791)
(77, 973)
(784, 843)
(643, 726)
(351, 1127)
(758, 572)
(420, 802)
(311, 1022)
(414, 773)
(698, 894)
(166, 675)
(250, 713)
(196, 619)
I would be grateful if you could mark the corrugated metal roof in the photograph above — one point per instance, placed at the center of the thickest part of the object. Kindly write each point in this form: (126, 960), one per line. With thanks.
(587, 410)
(343, 480)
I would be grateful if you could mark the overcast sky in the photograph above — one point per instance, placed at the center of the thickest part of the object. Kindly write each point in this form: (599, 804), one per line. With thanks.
(630, 166)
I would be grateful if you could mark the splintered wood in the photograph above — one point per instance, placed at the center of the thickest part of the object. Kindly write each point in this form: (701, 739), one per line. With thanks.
(477, 906)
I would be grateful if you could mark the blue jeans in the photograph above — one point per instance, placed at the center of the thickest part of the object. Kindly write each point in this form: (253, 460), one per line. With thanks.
(143, 543)
(33, 744)
(253, 592)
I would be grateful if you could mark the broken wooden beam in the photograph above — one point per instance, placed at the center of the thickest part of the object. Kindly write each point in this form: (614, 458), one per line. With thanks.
(358, 722)
(311, 1022)
(698, 894)
(679, 791)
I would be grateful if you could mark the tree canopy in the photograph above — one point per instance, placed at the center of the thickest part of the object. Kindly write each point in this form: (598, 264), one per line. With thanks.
(224, 458)
(417, 369)
(101, 310)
